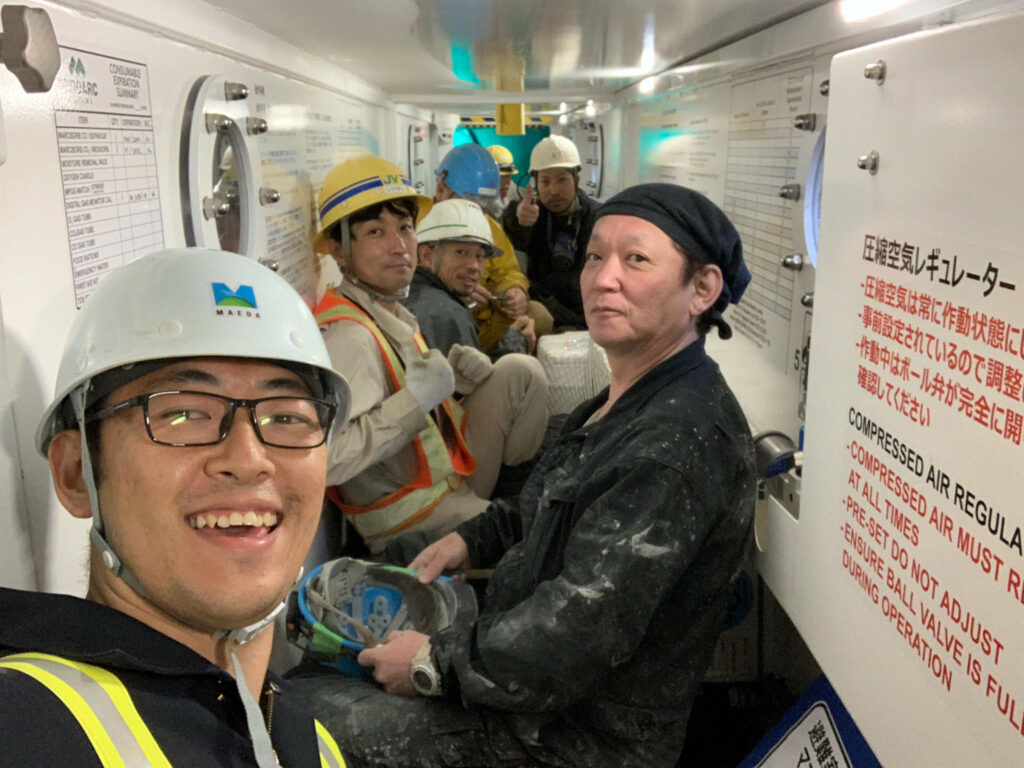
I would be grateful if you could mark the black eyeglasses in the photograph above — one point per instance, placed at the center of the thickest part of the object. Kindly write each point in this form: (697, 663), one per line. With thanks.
(182, 418)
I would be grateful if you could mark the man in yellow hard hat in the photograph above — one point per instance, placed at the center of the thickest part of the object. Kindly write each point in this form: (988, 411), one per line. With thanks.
(409, 457)
(508, 190)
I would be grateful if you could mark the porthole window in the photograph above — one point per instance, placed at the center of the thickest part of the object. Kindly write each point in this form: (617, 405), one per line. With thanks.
(812, 199)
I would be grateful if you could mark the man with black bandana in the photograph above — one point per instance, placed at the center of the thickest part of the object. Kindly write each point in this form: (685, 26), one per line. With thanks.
(552, 224)
(614, 569)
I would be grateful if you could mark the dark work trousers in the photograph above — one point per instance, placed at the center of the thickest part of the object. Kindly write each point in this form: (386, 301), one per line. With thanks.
(375, 729)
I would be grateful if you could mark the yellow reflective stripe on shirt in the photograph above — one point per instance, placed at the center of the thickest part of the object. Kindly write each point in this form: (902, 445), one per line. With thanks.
(138, 744)
(94, 730)
(330, 755)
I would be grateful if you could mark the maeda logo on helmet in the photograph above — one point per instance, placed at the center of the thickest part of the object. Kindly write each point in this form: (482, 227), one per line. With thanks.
(243, 298)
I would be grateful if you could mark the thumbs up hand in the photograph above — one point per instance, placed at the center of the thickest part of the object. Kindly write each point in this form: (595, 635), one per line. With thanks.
(527, 212)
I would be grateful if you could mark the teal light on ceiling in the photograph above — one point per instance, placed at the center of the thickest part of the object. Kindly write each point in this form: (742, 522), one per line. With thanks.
(462, 64)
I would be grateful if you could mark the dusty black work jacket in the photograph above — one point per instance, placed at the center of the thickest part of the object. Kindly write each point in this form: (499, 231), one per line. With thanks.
(601, 617)
(555, 285)
(190, 705)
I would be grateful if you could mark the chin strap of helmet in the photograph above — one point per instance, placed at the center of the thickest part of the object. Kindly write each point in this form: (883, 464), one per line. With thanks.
(262, 747)
(261, 744)
(97, 534)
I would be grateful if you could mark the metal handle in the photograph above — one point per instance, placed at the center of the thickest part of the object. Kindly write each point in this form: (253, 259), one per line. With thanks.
(807, 299)
(28, 47)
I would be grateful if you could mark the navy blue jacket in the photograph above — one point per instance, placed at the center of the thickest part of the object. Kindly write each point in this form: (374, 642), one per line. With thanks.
(191, 706)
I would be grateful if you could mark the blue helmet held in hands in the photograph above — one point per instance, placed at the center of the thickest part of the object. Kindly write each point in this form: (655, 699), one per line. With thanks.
(346, 605)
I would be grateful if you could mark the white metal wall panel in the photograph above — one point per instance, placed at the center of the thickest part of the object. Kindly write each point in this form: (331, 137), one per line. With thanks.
(904, 572)
(735, 142)
(311, 127)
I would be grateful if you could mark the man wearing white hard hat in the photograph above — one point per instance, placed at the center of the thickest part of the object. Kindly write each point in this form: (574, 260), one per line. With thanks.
(454, 245)
(508, 412)
(552, 225)
(409, 459)
(193, 403)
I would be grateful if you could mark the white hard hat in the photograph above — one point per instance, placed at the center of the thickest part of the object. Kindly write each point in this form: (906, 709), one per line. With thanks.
(190, 302)
(554, 152)
(457, 219)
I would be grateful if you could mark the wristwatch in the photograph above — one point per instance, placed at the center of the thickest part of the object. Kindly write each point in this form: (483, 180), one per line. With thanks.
(423, 672)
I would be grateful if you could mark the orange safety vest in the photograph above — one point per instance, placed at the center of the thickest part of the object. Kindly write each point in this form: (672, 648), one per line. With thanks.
(442, 455)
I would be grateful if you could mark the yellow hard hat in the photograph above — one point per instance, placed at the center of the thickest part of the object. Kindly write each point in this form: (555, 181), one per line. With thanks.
(506, 163)
(356, 184)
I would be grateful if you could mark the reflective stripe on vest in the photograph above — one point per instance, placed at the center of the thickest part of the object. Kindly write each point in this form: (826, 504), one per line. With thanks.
(101, 704)
(330, 755)
(440, 464)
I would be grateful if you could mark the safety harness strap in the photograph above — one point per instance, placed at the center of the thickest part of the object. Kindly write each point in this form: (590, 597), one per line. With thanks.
(101, 705)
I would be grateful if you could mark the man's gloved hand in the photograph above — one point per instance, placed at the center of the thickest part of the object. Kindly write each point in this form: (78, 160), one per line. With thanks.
(471, 366)
(430, 379)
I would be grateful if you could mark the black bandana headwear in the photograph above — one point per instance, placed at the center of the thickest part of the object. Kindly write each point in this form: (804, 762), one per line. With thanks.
(699, 227)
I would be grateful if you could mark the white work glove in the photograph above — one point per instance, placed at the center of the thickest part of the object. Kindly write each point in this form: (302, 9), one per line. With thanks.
(471, 366)
(430, 380)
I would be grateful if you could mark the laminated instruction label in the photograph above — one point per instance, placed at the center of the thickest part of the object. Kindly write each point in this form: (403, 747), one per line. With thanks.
(107, 148)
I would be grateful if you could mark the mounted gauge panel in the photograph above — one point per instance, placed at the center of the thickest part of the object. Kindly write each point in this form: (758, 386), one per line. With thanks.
(589, 137)
(418, 154)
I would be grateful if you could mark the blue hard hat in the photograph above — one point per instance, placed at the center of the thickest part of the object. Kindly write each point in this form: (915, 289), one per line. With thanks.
(470, 172)
(346, 605)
